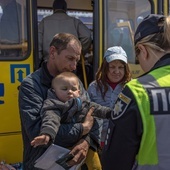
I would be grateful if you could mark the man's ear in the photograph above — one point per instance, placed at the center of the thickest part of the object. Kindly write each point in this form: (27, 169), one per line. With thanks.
(52, 50)
(143, 51)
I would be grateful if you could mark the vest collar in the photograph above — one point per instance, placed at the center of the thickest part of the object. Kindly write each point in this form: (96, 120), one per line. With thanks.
(163, 61)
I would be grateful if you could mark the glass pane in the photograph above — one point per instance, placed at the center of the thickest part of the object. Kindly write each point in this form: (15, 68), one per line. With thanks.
(121, 19)
(13, 29)
(84, 16)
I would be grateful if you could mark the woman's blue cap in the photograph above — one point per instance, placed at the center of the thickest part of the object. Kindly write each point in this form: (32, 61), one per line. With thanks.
(115, 53)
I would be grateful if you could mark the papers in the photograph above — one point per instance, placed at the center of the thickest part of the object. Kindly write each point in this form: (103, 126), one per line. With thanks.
(54, 154)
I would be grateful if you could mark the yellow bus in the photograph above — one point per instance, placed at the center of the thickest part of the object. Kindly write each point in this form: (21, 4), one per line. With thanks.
(113, 22)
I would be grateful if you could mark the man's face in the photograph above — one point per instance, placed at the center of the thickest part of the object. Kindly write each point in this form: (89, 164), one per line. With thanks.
(65, 61)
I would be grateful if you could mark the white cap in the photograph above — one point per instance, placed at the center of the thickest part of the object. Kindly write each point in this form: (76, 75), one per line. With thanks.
(115, 53)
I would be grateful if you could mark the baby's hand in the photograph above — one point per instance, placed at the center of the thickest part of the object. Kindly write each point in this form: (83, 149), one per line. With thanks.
(40, 140)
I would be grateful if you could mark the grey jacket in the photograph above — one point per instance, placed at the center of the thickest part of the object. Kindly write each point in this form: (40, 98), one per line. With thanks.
(109, 101)
(73, 111)
(32, 93)
(57, 23)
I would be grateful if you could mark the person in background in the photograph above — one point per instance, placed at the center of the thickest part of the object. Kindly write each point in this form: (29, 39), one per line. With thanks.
(64, 104)
(58, 22)
(64, 53)
(138, 135)
(110, 80)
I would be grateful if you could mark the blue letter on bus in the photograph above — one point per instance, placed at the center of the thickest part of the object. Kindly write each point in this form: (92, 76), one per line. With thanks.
(1, 92)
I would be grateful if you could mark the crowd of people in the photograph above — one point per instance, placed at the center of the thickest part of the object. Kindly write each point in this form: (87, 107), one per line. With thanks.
(139, 124)
(127, 119)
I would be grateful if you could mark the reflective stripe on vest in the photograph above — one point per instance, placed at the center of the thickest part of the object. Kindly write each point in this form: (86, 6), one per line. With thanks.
(152, 94)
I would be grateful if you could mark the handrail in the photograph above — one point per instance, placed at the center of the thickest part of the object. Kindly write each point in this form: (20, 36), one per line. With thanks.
(84, 71)
(23, 46)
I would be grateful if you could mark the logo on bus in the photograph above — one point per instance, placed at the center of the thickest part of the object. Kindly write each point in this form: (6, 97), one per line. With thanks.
(19, 71)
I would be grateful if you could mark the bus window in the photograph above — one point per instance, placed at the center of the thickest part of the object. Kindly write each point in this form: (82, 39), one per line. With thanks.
(13, 29)
(42, 13)
(120, 21)
(85, 17)
(122, 35)
(84, 67)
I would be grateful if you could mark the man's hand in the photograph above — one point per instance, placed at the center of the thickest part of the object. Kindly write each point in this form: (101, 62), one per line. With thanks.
(40, 140)
(88, 122)
(79, 151)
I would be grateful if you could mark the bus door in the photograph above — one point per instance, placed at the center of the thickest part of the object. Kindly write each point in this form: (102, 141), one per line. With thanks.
(84, 68)
(115, 23)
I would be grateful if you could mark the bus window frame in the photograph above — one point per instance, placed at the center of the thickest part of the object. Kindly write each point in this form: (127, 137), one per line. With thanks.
(24, 45)
(132, 22)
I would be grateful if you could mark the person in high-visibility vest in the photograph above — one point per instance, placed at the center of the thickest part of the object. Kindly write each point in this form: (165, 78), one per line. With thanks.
(139, 129)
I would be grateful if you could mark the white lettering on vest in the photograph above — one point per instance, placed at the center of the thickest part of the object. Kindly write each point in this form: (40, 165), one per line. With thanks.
(162, 94)
(159, 99)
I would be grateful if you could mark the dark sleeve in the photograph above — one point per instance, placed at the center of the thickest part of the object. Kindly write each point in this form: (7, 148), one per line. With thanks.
(125, 130)
(95, 133)
(94, 136)
(96, 130)
(69, 134)
(101, 111)
(30, 103)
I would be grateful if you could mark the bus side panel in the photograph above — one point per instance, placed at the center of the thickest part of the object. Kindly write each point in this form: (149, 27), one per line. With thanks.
(11, 147)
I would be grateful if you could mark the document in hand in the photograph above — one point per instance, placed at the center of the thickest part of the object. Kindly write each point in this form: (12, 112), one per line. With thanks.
(55, 157)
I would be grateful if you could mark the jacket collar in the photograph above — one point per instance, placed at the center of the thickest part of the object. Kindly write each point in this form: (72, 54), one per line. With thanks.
(163, 61)
(46, 78)
(59, 11)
